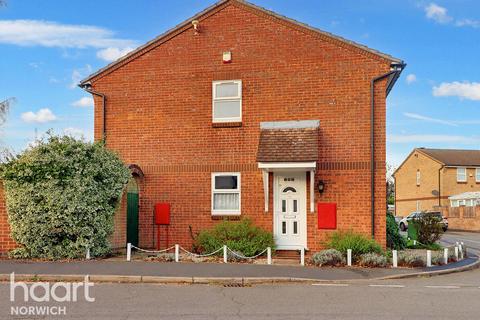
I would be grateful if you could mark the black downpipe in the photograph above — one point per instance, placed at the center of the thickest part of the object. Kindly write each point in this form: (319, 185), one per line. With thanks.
(372, 141)
(87, 88)
(439, 186)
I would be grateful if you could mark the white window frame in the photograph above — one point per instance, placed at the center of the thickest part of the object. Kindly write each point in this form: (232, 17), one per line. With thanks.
(237, 98)
(418, 177)
(465, 174)
(461, 202)
(477, 174)
(454, 203)
(238, 190)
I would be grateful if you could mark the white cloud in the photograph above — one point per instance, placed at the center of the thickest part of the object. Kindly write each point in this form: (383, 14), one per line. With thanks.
(112, 53)
(463, 90)
(79, 74)
(411, 78)
(84, 102)
(440, 14)
(79, 133)
(428, 119)
(53, 34)
(437, 13)
(41, 116)
(468, 23)
(432, 138)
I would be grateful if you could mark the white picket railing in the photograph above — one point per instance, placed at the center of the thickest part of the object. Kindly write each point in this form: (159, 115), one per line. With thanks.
(225, 249)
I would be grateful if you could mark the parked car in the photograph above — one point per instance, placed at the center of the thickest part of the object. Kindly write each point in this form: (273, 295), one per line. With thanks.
(404, 222)
(398, 219)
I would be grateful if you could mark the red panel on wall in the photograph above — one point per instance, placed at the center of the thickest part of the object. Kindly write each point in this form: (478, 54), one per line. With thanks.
(162, 213)
(327, 215)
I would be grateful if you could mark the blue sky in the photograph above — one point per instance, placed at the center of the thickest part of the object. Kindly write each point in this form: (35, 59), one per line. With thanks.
(46, 47)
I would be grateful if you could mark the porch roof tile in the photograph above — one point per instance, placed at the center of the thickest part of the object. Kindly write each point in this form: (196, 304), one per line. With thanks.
(288, 145)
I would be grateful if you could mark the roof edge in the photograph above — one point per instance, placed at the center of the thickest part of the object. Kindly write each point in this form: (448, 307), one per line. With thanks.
(186, 24)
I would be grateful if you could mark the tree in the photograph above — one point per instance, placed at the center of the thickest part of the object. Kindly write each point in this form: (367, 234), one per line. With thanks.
(390, 184)
(4, 107)
(61, 196)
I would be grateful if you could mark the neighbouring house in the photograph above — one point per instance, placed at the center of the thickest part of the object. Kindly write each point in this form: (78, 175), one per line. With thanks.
(239, 112)
(433, 179)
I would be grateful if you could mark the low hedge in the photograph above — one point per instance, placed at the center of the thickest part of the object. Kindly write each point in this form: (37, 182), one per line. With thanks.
(360, 244)
(243, 237)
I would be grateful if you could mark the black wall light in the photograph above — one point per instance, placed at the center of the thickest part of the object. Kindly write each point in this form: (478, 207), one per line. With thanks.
(321, 186)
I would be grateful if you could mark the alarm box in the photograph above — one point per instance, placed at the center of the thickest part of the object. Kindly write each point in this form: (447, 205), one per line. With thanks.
(327, 215)
(162, 213)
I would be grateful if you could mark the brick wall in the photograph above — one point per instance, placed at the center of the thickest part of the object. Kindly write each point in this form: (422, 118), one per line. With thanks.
(6, 242)
(159, 116)
(407, 192)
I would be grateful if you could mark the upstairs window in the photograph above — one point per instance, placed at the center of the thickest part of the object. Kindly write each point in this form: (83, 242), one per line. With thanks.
(227, 101)
(461, 174)
(226, 193)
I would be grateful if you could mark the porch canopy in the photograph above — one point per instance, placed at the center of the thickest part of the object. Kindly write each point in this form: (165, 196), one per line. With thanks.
(288, 146)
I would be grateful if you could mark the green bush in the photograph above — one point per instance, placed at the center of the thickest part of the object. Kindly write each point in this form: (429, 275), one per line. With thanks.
(242, 237)
(373, 260)
(394, 239)
(342, 241)
(429, 229)
(329, 257)
(418, 245)
(61, 195)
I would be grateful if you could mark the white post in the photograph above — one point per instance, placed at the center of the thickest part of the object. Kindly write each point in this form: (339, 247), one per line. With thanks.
(349, 257)
(414, 242)
(456, 253)
(395, 258)
(460, 248)
(87, 255)
(445, 255)
(302, 256)
(225, 258)
(269, 255)
(429, 258)
(177, 252)
(129, 251)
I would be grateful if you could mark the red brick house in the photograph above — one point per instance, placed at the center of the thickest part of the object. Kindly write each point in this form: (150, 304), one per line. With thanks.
(240, 112)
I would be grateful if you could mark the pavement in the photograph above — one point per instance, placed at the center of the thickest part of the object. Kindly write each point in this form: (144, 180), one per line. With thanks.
(187, 272)
(453, 296)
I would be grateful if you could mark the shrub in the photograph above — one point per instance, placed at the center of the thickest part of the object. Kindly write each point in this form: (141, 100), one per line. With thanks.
(373, 260)
(411, 259)
(394, 239)
(329, 257)
(437, 258)
(429, 230)
(418, 245)
(61, 196)
(242, 237)
(342, 241)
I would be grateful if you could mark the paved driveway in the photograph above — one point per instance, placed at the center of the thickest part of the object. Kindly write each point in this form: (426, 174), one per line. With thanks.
(471, 239)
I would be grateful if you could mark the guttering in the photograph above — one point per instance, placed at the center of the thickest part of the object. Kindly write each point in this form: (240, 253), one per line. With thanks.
(396, 69)
(88, 87)
(439, 186)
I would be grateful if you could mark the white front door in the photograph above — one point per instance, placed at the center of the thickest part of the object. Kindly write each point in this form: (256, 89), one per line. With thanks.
(290, 227)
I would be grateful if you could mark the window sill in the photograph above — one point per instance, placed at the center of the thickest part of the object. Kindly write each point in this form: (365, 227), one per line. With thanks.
(229, 217)
(226, 124)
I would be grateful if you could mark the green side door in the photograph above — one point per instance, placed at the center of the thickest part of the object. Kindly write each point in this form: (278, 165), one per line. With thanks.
(132, 218)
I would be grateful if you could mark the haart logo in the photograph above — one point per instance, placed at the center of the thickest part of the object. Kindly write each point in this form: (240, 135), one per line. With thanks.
(47, 292)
